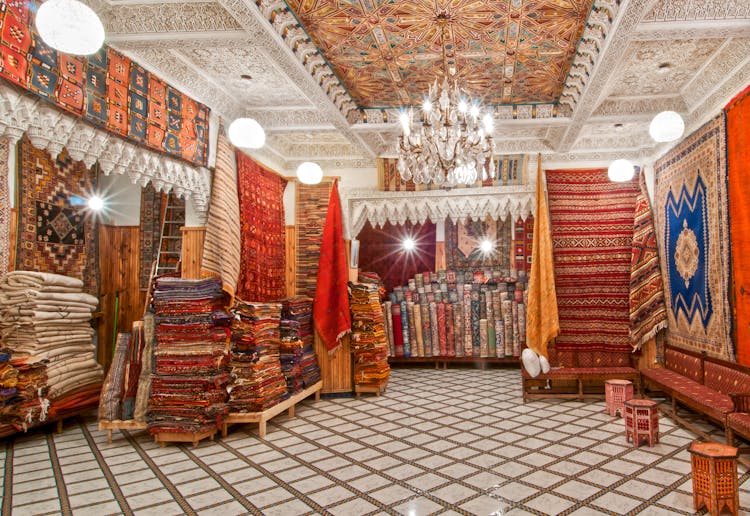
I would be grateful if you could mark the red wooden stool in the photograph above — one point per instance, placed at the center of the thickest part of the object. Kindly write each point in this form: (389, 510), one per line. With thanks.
(615, 393)
(641, 420)
(714, 477)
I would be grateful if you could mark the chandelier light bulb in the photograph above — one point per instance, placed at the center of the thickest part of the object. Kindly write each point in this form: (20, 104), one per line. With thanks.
(405, 120)
(488, 123)
(463, 107)
(70, 27)
(620, 170)
(474, 111)
(667, 126)
(246, 133)
(309, 173)
(426, 106)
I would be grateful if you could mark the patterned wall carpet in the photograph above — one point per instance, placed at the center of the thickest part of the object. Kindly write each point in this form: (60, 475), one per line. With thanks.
(465, 445)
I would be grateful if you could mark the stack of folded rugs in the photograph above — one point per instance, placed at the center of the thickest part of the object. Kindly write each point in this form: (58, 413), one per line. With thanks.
(296, 316)
(257, 380)
(118, 399)
(188, 385)
(44, 325)
(290, 355)
(368, 343)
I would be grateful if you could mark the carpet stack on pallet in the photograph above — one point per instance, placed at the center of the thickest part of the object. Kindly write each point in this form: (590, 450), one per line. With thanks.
(45, 326)
(368, 343)
(257, 381)
(296, 316)
(188, 386)
(120, 387)
(457, 314)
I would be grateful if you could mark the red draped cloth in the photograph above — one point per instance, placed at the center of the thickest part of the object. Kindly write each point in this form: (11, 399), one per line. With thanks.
(331, 306)
(738, 150)
(263, 237)
(381, 250)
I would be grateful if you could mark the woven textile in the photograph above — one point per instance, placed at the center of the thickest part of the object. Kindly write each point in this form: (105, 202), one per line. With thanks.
(648, 311)
(149, 232)
(462, 241)
(263, 239)
(592, 230)
(222, 243)
(4, 206)
(53, 235)
(738, 150)
(381, 250)
(690, 201)
(105, 88)
(311, 209)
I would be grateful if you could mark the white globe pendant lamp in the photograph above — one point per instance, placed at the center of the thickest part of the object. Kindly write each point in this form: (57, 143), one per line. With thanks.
(246, 133)
(667, 126)
(309, 173)
(70, 27)
(620, 170)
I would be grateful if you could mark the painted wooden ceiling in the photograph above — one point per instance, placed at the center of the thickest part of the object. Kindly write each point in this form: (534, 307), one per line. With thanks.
(388, 52)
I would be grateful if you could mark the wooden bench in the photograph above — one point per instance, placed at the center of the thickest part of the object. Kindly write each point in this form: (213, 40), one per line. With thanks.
(579, 375)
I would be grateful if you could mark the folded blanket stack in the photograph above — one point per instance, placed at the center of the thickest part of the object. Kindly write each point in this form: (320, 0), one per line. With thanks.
(44, 323)
(257, 380)
(296, 316)
(369, 345)
(188, 385)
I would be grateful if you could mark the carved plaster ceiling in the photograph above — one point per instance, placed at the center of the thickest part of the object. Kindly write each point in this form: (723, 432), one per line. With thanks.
(326, 79)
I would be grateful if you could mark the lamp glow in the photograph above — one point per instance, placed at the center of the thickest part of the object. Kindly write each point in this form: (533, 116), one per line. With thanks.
(309, 173)
(620, 170)
(246, 133)
(667, 126)
(95, 203)
(485, 246)
(409, 244)
(70, 27)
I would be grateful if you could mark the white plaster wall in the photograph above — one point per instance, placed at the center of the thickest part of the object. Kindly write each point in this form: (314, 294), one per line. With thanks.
(122, 200)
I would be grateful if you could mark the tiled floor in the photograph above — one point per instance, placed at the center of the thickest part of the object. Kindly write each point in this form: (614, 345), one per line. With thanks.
(437, 442)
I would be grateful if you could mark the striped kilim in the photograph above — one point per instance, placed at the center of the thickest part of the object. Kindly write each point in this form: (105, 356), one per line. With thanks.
(221, 247)
(4, 206)
(311, 210)
(592, 229)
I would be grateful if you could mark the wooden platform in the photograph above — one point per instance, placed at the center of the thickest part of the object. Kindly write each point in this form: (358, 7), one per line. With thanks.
(120, 424)
(183, 437)
(376, 388)
(262, 417)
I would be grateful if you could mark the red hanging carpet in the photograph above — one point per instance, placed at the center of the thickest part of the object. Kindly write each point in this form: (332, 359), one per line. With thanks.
(592, 230)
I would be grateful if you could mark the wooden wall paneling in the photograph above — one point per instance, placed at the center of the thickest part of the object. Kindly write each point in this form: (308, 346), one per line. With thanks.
(336, 369)
(440, 255)
(291, 261)
(192, 251)
(121, 299)
(13, 237)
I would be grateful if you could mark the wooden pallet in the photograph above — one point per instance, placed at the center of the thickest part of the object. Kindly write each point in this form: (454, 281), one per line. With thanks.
(262, 417)
(376, 388)
(183, 437)
(120, 424)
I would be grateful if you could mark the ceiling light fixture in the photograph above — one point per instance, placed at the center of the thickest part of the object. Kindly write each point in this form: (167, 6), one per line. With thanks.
(70, 27)
(309, 173)
(667, 126)
(620, 170)
(246, 133)
(486, 246)
(95, 203)
(453, 142)
(409, 244)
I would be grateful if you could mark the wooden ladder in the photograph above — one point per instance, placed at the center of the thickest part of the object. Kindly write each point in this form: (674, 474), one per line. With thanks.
(170, 241)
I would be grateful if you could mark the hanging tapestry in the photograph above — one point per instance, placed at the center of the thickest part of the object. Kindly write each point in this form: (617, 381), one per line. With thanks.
(648, 311)
(738, 150)
(263, 237)
(592, 232)
(691, 208)
(149, 232)
(222, 243)
(310, 215)
(381, 250)
(4, 206)
(510, 169)
(105, 88)
(462, 241)
(522, 243)
(56, 233)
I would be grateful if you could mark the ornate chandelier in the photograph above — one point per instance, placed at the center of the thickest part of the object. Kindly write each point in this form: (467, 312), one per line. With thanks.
(450, 145)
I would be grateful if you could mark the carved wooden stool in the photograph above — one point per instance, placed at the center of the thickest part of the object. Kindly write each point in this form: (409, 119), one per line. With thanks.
(616, 392)
(641, 420)
(714, 477)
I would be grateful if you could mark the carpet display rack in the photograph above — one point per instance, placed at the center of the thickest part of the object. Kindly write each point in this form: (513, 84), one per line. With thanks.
(449, 316)
(369, 345)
